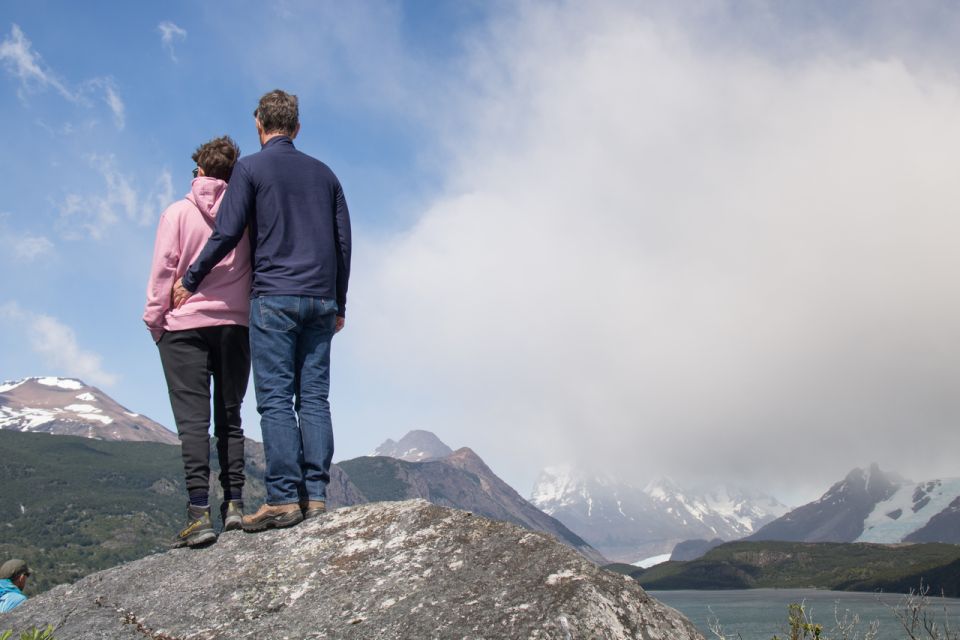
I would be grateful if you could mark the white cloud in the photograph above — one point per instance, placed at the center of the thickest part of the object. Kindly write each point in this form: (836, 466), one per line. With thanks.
(22, 246)
(93, 215)
(663, 254)
(26, 64)
(112, 99)
(21, 60)
(56, 344)
(169, 34)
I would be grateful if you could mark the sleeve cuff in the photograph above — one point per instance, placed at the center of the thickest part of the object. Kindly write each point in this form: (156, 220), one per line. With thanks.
(189, 281)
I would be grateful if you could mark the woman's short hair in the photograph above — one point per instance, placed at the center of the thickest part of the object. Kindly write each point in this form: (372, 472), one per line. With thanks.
(217, 157)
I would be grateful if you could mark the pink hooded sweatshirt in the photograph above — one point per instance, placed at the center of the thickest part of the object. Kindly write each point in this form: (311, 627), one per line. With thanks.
(224, 295)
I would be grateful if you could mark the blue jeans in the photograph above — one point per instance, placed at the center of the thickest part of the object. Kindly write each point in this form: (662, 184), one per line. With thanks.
(290, 351)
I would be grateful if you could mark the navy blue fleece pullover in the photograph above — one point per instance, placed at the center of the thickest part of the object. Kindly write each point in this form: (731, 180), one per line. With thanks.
(299, 225)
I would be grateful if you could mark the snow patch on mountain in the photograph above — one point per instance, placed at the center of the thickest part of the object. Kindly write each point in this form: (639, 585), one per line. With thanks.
(416, 446)
(10, 385)
(93, 416)
(652, 561)
(556, 489)
(66, 406)
(629, 523)
(25, 419)
(908, 510)
(82, 408)
(63, 383)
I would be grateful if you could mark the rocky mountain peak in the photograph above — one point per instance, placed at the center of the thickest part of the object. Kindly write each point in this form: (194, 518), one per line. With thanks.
(384, 570)
(418, 445)
(872, 505)
(465, 457)
(871, 482)
(67, 406)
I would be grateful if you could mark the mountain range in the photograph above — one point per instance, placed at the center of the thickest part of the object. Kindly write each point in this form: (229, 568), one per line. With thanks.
(599, 516)
(83, 502)
(870, 505)
(630, 524)
(460, 479)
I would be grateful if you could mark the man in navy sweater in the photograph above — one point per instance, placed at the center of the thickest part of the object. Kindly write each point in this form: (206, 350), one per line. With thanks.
(294, 208)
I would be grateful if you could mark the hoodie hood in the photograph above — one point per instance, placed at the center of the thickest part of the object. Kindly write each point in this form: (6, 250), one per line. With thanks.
(206, 194)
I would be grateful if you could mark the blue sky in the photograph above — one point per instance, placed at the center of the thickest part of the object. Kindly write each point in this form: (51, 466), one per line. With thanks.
(712, 239)
(86, 180)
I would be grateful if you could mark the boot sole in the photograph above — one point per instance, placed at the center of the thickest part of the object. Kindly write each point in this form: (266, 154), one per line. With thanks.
(274, 522)
(313, 513)
(196, 540)
(233, 524)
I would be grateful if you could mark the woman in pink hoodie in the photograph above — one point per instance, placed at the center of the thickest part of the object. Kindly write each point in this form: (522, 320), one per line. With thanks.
(205, 337)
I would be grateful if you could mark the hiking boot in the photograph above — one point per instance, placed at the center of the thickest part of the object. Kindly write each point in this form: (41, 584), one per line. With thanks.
(199, 529)
(313, 508)
(231, 515)
(273, 517)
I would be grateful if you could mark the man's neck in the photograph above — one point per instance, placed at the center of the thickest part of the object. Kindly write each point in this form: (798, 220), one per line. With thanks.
(267, 137)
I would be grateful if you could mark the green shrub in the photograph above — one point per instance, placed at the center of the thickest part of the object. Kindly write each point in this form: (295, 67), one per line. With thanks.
(30, 634)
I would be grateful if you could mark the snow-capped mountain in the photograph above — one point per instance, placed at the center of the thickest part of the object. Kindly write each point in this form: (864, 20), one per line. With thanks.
(871, 505)
(628, 523)
(416, 446)
(66, 406)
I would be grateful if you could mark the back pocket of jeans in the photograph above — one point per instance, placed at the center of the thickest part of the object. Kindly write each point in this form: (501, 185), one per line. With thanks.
(278, 313)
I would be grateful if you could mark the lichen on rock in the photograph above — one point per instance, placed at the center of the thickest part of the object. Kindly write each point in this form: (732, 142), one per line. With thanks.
(382, 570)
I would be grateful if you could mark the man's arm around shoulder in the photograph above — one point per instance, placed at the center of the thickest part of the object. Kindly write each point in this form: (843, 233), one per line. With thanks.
(231, 222)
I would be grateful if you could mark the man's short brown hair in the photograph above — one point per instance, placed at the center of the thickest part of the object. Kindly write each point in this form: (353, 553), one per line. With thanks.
(278, 112)
(217, 157)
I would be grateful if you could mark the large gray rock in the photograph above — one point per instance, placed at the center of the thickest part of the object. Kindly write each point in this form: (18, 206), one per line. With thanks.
(383, 570)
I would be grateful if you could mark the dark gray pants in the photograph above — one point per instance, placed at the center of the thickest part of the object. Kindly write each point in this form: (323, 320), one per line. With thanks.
(190, 358)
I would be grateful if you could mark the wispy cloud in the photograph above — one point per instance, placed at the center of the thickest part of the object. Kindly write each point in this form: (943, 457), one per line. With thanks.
(170, 33)
(56, 343)
(25, 63)
(23, 246)
(92, 215)
(112, 99)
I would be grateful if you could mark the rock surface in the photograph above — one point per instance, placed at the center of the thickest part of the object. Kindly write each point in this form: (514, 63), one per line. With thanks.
(383, 570)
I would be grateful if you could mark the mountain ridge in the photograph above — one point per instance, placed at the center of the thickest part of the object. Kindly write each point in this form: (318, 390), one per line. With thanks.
(872, 505)
(460, 479)
(629, 524)
(68, 406)
(840, 566)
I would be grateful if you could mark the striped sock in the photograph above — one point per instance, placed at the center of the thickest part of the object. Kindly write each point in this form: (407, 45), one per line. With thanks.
(200, 499)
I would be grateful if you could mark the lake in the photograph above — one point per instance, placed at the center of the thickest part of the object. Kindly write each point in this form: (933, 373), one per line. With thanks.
(758, 614)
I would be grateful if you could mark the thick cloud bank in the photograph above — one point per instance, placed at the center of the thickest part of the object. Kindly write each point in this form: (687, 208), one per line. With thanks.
(660, 252)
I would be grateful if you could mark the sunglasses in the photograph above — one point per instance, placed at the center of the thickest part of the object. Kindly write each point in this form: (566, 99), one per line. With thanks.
(196, 171)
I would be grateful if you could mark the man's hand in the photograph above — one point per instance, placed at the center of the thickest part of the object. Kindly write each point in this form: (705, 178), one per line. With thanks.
(180, 294)
(340, 322)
